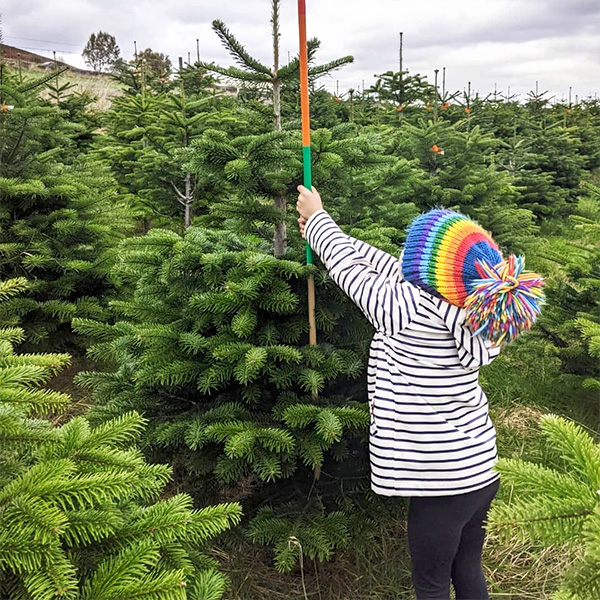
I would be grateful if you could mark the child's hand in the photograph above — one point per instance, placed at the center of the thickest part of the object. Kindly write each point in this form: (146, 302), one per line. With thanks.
(302, 222)
(309, 202)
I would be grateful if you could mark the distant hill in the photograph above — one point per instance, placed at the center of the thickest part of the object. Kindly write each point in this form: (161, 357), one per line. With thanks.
(12, 55)
(100, 85)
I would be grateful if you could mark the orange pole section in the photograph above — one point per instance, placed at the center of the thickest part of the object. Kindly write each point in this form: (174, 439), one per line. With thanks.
(303, 56)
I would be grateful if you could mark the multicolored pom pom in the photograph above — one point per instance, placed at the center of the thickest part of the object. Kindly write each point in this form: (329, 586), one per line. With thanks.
(506, 301)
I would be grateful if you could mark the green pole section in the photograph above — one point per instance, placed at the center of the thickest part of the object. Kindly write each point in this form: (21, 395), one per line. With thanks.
(306, 169)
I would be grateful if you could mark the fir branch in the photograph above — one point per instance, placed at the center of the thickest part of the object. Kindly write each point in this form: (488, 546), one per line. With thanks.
(237, 51)
(235, 73)
(320, 70)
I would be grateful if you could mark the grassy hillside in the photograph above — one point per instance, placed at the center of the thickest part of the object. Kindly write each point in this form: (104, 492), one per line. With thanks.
(100, 85)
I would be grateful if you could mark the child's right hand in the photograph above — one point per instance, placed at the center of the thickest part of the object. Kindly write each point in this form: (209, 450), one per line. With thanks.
(302, 222)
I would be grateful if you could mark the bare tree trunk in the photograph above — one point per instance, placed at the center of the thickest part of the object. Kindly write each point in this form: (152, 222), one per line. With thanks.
(277, 104)
(280, 233)
(188, 201)
(275, 79)
(401, 112)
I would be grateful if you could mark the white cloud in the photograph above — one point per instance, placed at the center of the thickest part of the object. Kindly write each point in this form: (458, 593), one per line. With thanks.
(503, 42)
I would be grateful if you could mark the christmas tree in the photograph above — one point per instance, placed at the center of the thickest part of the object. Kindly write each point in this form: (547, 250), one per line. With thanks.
(211, 344)
(254, 72)
(557, 505)
(81, 511)
(59, 216)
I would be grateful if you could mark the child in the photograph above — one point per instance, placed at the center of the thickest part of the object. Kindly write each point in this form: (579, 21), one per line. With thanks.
(431, 437)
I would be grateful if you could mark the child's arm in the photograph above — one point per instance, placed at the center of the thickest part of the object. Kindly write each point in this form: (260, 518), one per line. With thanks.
(381, 261)
(388, 302)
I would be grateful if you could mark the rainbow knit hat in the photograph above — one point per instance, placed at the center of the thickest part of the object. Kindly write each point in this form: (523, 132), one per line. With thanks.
(452, 257)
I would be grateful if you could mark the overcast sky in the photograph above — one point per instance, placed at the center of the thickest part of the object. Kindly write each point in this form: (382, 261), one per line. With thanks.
(503, 42)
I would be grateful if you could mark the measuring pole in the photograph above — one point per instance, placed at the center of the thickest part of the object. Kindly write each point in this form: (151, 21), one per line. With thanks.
(306, 166)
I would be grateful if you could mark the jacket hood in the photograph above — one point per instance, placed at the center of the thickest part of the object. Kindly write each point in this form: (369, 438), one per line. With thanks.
(473, 350)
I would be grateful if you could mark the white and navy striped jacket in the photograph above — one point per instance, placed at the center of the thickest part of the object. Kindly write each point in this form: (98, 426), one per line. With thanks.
(430, 432)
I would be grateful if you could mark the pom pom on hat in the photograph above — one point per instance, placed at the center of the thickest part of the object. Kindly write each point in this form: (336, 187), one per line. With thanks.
(505, 301)
(452, 257)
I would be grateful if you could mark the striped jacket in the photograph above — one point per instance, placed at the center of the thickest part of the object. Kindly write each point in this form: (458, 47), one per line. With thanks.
(430, 432)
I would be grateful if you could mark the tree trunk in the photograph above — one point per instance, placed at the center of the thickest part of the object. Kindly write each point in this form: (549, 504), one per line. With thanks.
(276, 104)
(280, 235)
(280, 198)
(188, 201)
(275, 78)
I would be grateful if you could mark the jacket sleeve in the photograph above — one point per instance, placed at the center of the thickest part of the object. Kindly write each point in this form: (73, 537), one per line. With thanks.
(473, 350)
(388, 302)
(381, 261)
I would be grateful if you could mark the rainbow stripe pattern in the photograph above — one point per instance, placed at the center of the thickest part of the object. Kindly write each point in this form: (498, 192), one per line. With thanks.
(452, 257)
(441, 252)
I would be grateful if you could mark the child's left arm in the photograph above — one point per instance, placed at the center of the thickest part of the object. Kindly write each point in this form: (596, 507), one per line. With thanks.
(381, 261)
(388, 302)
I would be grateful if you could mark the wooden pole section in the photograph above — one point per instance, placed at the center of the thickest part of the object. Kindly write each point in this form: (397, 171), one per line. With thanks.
(306, 157)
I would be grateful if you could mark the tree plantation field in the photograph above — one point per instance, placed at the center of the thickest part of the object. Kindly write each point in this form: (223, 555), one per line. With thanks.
(168, 432)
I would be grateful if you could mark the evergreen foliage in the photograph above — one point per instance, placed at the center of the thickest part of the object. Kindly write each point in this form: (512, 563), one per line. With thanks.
(59, 217)
(211, 344)
(354, 165)
(252, 71)
(558, 505)
(208, 338)
(313, 534)
(571, 321)
(80, 510)
(199, 328)
(397, 92)
(145, 132)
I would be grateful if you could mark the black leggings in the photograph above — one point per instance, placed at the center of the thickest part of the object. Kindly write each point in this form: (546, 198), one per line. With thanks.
(445, 537)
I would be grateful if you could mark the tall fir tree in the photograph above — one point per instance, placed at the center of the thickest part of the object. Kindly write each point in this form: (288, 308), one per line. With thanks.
(145, 133)
(254, 72)
(397, 91)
